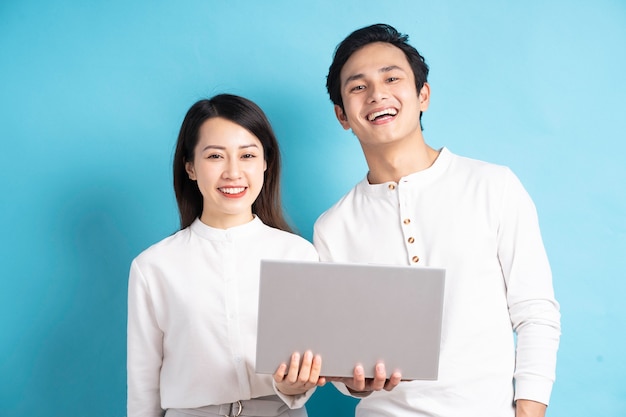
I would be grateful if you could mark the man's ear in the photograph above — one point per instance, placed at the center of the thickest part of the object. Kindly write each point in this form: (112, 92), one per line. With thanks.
(190, 171)
(341, 116)
(424, 97)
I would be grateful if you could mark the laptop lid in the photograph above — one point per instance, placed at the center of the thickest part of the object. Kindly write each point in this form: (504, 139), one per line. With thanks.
(349, 314)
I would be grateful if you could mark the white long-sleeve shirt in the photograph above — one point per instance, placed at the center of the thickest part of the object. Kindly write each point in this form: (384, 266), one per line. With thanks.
(192, 317)
(475, 220)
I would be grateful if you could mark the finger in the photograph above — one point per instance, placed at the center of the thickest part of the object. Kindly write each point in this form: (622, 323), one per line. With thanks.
(358, 382)
(305, 368)
(316, 369)
(279, 375)
(380, 377)
(294, 365)
(321, 381)
(393, 381)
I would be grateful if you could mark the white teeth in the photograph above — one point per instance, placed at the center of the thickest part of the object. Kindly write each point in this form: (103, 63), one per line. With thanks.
(390, 112)
(235, 190)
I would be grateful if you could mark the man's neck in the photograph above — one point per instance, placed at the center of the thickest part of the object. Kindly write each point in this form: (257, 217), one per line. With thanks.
(390, 162)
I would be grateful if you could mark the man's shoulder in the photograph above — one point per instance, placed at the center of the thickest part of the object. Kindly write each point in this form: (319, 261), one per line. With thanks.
(465, 170)
(477, 165)
(337, 211)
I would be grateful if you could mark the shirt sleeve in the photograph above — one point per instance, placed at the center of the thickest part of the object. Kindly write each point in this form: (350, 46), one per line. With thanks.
(320, 245)
(145, 350)
(534, 312)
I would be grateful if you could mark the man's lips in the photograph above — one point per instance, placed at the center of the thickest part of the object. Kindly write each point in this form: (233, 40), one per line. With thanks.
(382, 114)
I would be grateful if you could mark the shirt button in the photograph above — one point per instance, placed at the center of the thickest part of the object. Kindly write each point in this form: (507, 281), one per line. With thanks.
(406, 221)
(392, 186)
(411, 240)
(415, 259)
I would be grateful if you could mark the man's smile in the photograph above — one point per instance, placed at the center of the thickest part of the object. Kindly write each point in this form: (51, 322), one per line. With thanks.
(384, 113)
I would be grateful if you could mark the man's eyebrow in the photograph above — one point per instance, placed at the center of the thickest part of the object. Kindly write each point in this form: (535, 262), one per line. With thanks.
(353, 78)
(381, 70)
(391, 68)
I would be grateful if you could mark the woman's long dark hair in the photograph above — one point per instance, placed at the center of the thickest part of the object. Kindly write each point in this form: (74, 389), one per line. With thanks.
(245, 113)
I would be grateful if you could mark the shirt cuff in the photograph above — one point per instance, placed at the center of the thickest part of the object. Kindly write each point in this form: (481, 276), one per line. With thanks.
(535, 389)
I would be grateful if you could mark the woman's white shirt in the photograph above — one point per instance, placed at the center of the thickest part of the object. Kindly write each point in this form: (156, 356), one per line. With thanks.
(192, 317)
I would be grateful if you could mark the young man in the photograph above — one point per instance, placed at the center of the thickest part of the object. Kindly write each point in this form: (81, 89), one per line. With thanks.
(426, 207)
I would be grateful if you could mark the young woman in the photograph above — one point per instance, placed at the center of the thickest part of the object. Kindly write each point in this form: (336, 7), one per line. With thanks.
(192, 300)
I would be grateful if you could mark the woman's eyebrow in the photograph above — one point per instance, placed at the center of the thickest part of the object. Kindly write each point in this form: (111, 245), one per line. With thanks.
(221, 148)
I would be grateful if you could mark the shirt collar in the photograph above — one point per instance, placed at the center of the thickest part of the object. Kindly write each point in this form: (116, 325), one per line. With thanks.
(211, 233)
(414, 180)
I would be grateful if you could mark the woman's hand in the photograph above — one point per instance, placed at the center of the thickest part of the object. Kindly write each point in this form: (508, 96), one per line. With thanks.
(299, 378)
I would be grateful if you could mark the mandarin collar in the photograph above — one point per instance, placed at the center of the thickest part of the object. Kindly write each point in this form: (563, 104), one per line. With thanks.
(211, 233)
(414, 180)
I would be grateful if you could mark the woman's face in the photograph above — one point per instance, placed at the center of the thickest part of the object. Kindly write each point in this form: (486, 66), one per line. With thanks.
(228, 166)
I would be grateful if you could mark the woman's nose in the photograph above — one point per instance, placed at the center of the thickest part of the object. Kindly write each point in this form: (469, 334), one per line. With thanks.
(232, 170)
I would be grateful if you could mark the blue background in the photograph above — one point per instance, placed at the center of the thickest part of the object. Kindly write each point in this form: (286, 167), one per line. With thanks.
(92, 95)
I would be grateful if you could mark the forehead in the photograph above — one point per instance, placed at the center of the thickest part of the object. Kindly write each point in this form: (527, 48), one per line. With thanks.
(372, 58)
(218, 130)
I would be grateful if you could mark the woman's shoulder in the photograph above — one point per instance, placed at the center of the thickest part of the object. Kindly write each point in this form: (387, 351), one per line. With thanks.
(289, 242)
(165, 248)
(285, 236)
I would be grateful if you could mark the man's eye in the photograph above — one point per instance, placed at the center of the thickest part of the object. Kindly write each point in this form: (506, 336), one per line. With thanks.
(358, 88)
(392, 79)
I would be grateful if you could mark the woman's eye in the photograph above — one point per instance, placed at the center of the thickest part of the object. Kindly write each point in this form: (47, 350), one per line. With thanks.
(213, 156)
(248, 155)
(392, 79)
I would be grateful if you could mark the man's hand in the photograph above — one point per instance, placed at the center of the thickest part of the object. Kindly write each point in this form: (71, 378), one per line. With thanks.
(528, 408)
(360, 386)
(299, 378)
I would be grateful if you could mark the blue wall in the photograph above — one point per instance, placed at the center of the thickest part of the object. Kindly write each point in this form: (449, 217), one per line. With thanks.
(92, 95)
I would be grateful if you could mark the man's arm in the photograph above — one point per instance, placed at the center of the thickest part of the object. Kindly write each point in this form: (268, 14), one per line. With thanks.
(528, 408)
(533, 310)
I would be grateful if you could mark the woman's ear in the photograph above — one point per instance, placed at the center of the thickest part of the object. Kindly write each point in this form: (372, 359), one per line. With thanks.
(190, 171)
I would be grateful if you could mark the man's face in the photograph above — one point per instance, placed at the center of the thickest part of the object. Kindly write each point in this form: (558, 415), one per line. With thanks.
(381, 104)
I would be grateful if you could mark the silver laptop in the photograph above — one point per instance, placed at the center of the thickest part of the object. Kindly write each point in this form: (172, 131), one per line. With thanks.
(349, 314)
